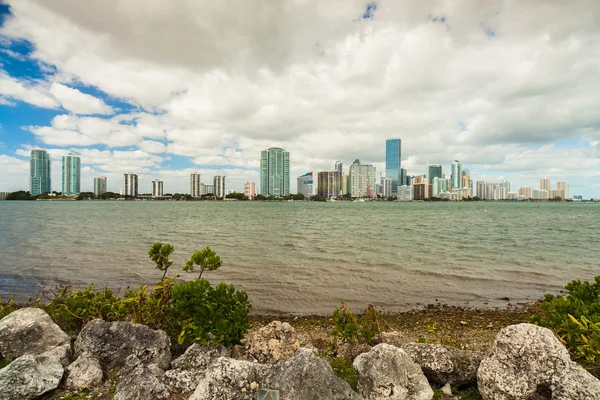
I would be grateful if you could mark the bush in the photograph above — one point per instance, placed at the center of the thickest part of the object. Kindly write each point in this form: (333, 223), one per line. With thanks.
(6, 308)
(348, 327)
(218, 316)
(575, 318)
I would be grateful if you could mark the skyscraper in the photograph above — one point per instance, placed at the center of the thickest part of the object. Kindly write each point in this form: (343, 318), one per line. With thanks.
(393, 160)
(275, 172)
(219, 184)
(564, 186)
(71, 175)
(39, 172)
(329, 184)
(250, 189)
(306, 184)
(339, 168)
(434, 171)
(195, 185)
(546, 184)
(130, 186)
(157, 188)
(99, 186)
(456, 175)
(362, 180)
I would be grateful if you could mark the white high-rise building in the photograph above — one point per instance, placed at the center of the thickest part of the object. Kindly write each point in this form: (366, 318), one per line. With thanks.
(219, 186)
(306, 185)
(130, 187)
(99, 186)
(564, 186)
(157, 188)
(405, 193)
(363, 180)
(195, 185)
(386, 187)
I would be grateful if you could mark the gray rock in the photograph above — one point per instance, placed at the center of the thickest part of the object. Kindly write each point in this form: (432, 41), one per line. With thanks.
(189, 369)
(139, 381)
(271, 343)
(351, 350)
(394, 338)
(229, 379)
(63, 352)
(112, 342)
(528, 361)
(29, 376)
(30, 331)
(85, 372)
(387, 372)
(306, 376)
(444, 364)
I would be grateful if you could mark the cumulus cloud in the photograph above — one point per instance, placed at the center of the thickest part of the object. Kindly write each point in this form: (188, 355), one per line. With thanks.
(500, 86)
(28, 92)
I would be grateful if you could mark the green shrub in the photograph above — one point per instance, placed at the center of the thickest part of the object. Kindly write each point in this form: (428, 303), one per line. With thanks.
(205, 259)
(348, 327)
(160, 253)
(216, 315)
(575, 318)
(343, 369)
(6, 308)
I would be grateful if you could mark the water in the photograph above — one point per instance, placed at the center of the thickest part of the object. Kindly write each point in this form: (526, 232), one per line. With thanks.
(306, 257)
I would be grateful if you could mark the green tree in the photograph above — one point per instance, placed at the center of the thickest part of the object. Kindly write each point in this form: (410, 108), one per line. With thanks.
(85, 196)
(160, 253)
(20, 195)
(205, 259)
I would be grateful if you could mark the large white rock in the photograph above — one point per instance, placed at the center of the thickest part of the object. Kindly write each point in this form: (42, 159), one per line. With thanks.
(271, 343)
(112, 342)
(527, 361)
(387, 372)
(31, 331)
(189, 368)
(29, 376)
(85, 372)
(139, 381)
(306, 376)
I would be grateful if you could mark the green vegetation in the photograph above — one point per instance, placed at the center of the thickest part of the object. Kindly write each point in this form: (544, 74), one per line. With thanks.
(20, 195)
(237, 196)
(6, 308)
(85, 196)
(343, 369)
(160, 253)
(575, 318)
(349, 327)
(205, 259)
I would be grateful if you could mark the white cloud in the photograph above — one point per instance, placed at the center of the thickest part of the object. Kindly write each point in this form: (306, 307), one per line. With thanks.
(28, 92)
(77, 102)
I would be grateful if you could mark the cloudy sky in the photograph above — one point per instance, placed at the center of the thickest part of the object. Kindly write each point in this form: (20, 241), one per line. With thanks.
(165, 88)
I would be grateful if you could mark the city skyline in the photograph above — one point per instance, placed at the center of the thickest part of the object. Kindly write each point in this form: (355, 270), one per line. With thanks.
(476, 83)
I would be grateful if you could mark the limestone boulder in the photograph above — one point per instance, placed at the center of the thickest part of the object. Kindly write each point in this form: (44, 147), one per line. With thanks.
(444, 364)
(31, 331)
(273, 342)
(28, 377)
(351, 350)
(188, 369)
(306, 376)
(394, 338)
(139, 381)
(230, 379)
(113, 342)
(85, 372)
(387, 372)
(528, 362)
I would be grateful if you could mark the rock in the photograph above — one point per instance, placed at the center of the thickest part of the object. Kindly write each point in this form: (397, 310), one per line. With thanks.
(387, 372)
(229, 379)
(189, 369)
(30, 376)
(445, 364)
(306, 376)
(394, 338)
(63, 352)
(528, 362)
(272, 343)
(351, 350)
(85, 372)
(139, 381)
(447, 390)
(30, 331)
(112, 342)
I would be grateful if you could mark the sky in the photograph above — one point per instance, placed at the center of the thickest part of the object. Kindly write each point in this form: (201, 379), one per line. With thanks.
(166, 88)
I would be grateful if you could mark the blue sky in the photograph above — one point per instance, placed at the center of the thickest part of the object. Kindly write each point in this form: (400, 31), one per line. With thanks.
(510, 91)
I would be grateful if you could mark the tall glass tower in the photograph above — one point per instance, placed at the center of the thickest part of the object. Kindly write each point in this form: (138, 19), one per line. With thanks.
(275, 172)
(393, 159)
(456, 175)
(435, 171)
(71, 175)
(39, 172)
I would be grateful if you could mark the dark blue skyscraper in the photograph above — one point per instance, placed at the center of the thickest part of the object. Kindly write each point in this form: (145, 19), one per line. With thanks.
(393, 158)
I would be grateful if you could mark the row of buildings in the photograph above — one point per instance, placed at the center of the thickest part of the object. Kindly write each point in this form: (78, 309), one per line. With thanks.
(40, 177)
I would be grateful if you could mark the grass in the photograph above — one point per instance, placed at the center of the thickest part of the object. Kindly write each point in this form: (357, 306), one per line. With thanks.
(343, 369)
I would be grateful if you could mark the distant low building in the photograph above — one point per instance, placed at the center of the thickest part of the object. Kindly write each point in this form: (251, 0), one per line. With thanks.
(4, 195)
(405, 193)
(250, 189)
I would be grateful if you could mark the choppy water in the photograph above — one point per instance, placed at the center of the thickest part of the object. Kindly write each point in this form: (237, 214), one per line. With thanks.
(306, 257)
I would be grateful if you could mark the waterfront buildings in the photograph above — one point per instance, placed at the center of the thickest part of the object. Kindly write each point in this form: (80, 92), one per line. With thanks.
(346, 185)
(539, 194)
(545, 184)
(250, 189)
(4, 195)
(306, 185)
(275, 172)
(434, 171)
(219, 186)
(130, 186)
(525, 191)
(195, 185)
(157, 188)
(456, 175)
(39, 172)
(480, 187)
(208, 189)
(99, 186)
(421, 189)
(439, 185)
(564, 186)
(329, 184)
(362, 180)
(339, 168)
(71, 174)
(403, 178)
(405, 193)
(393, 160)
(386, 187)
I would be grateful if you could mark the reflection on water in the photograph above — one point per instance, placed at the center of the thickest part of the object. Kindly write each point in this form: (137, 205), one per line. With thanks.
(306, 257)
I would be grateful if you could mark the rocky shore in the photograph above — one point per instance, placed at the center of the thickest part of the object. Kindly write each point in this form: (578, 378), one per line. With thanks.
(494, 352)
